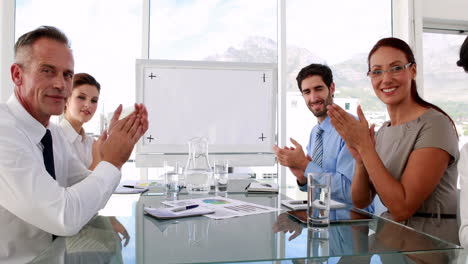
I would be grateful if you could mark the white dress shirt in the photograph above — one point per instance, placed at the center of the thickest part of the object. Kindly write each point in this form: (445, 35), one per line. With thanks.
(463, 174)
(32, 204)
(81, 145)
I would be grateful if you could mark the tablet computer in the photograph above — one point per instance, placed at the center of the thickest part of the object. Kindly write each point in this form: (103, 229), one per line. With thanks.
(337, 216)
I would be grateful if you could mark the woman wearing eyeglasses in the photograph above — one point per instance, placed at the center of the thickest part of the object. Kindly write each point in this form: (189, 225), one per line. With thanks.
(463, 163)
(411, 161)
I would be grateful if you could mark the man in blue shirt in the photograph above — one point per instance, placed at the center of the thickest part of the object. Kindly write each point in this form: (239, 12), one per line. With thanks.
(316, 85)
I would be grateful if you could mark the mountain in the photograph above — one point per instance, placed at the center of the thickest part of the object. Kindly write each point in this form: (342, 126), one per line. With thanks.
(445, 85)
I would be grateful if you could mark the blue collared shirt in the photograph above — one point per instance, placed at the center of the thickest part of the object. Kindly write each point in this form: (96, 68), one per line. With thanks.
(336, 160)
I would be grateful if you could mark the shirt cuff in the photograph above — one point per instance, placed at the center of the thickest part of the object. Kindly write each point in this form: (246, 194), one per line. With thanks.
(300, 185)
(111, 175)
(311, 167)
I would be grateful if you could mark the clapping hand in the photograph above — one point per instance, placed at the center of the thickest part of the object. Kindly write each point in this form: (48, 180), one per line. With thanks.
(356, 133)
(118, 142)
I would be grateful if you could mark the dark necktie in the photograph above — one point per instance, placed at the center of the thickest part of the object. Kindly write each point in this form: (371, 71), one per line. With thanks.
(48, 153)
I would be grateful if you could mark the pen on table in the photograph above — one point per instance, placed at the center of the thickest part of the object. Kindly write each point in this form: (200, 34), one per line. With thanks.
(183, 208)
(247, 186)
(133, 187)
(298, 202)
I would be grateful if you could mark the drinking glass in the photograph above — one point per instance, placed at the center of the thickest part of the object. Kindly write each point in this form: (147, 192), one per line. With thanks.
(318, 200)
(172, 173)
(221, 170)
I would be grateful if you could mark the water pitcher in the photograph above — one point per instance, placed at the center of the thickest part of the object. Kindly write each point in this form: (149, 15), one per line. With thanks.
(198, 171)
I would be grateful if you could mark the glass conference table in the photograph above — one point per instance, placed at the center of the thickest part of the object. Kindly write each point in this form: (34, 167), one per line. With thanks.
(262, 238)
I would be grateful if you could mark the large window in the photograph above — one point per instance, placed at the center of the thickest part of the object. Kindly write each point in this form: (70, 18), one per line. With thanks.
(338, 33)
(446, 84)
(221, 30)
(216, 30)
(105, 43)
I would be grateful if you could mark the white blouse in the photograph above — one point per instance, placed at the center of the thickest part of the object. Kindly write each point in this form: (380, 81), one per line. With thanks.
(82, 145)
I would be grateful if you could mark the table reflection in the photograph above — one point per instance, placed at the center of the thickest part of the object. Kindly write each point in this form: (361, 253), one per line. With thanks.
(358, 237)
(263, 237)
(98, 242)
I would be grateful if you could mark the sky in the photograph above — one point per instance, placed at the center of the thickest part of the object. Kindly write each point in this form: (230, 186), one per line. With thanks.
(210, 26)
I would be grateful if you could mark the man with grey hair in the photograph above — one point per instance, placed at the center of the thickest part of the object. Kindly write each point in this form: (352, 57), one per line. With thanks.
(45, 190)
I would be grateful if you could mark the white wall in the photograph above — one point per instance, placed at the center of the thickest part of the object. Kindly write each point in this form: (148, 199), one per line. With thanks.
(7, 41)
(446, 9)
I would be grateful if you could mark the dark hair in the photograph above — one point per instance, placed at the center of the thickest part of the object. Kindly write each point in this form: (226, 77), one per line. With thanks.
(315, 69)
(49, 32)
(400, 45)
(463, 62)
(84, 78)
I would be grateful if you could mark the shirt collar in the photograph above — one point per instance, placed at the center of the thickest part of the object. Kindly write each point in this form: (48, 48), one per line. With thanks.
(326, 124)
(69, 131)
(33, 128)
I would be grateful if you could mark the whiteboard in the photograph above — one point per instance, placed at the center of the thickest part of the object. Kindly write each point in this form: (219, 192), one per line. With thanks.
(231, 104)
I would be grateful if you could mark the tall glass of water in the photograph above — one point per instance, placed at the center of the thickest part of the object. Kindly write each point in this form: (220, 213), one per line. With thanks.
(221, 170)
(172, 172)
(318, 200)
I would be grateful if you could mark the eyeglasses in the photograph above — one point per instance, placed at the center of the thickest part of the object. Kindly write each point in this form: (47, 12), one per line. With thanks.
(393, 70)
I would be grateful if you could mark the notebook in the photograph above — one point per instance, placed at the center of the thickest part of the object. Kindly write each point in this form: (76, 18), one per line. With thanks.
(168, 213)
(126, 190)
(262, 187)
(302, 204)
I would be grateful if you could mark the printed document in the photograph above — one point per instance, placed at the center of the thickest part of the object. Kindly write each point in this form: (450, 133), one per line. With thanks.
(224, 207)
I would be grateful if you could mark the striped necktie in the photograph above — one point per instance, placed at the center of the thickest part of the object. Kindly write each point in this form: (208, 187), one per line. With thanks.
(317, 154)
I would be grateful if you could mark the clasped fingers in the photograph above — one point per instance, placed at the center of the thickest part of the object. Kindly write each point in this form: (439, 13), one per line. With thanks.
(354, 132)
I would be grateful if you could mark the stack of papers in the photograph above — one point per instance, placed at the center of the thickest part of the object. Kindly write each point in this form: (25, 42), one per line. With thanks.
(262, 187)
(223, 207)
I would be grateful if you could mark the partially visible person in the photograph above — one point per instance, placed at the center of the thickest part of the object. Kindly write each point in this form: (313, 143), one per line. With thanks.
(412, 161)
(326, 151)
(463, 61)
(45, 190)
(80, 109)
(463, 164)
